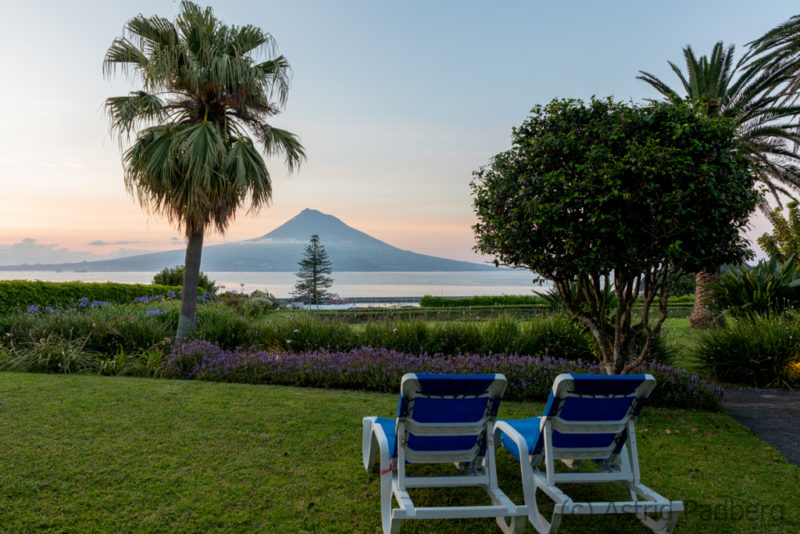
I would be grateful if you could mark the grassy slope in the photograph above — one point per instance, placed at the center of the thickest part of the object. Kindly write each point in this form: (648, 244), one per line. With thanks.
(88, 453)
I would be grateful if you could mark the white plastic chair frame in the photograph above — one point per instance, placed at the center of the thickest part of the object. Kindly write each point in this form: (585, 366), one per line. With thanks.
(480, 472)
(621, 468)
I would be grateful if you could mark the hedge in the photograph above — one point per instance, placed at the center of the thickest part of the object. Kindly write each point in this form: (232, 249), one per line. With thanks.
(17, 294)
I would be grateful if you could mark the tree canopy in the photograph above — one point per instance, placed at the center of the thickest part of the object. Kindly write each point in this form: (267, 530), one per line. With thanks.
(610, 198)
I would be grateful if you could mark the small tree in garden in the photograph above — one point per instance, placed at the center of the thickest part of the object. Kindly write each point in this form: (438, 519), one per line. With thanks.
(784, 242)
(173, 276)
(609, 199)
(314, 274)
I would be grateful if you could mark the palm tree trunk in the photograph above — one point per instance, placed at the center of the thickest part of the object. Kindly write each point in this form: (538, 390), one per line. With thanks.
(702, 317)
(191, 275)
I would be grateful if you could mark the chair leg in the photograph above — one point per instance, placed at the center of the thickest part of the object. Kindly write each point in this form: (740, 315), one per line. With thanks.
(517, 525)
(390, 525)
(665, 525)
(530, 487)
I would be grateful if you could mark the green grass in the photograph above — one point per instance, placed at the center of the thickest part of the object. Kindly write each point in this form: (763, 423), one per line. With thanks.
(88, 453)
(679, 335)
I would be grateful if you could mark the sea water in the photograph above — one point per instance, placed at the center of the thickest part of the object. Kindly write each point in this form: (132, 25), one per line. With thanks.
(345, 284)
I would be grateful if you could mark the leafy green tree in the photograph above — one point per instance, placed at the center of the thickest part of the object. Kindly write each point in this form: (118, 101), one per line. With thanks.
(785, 239)
(173, 276)
(204, 91)
(716, 86)
(613, 200)
(314, 274)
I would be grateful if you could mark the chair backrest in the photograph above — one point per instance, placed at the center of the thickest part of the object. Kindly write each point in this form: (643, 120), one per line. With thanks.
(446, 417)
(589, 414)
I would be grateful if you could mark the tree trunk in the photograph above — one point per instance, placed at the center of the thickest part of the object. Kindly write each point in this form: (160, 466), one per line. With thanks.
(191, 275)
(702, 317)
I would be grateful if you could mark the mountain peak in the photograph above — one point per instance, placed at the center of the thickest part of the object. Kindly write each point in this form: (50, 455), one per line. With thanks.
(302, 226)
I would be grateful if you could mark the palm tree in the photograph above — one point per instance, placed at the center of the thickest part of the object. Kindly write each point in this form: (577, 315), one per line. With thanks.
(779, 50)
(205, 91)
(765, 130)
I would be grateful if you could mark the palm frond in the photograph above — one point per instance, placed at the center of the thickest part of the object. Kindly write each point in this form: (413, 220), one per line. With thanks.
(128, 112)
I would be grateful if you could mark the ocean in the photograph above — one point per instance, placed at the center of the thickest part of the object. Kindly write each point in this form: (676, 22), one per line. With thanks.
(345, 284)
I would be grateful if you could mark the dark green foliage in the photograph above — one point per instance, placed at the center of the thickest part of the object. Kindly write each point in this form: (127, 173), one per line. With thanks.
(683, 286)
(314, 274)
(429, 301)
(609, 198)
(767, 288)
(173, 276)
(19, 294)
(754, 351)
(105, 331)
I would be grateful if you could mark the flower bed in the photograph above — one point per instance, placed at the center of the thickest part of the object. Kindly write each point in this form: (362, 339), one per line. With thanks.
(374, 369)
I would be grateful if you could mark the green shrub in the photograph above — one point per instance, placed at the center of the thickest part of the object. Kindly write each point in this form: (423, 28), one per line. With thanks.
(105, 330)
(767, 288)
(20, 294)
(53, 354)
(174, 277)
(254, 305)
(755, 351)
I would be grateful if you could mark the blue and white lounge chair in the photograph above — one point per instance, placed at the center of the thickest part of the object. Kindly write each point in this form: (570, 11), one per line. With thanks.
(587, 417)
(440, 419)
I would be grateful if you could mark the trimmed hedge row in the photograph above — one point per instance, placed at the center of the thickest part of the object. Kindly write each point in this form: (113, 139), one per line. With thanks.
(19, 294)
(429, 301)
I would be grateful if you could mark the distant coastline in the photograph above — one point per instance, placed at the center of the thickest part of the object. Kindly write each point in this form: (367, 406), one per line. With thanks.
(347, 284)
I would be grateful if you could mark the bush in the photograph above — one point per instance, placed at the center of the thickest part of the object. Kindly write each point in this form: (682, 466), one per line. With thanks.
(52, 354)
(365, 368)
(137, 329)
(20, 294)
(105, 330)
(174, 277)
(767, 288)
(758, 351)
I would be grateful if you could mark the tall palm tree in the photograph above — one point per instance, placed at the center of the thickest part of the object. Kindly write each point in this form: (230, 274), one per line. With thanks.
(718, 87)
(205, 92)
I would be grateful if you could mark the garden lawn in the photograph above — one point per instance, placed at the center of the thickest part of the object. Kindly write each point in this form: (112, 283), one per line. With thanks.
(90, 453)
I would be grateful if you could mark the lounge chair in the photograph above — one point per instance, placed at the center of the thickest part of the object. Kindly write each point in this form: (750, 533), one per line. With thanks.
(440, 419)
(587, 417)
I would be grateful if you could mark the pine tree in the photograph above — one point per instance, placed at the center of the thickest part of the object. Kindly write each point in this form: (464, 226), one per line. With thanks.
(314, 274)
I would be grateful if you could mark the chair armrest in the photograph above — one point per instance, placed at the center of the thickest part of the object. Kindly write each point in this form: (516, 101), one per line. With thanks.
(501, 427)
(374, 441)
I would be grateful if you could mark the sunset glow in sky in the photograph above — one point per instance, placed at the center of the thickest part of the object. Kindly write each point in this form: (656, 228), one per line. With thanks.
(396, 103)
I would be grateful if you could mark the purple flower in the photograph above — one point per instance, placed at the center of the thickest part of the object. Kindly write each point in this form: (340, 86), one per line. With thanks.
(83, 302)
(156, 311)
(33, 308)
(377, 369)
(171, 294)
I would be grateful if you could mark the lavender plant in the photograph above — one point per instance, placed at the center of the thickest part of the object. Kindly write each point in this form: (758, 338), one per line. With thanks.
(377, 369)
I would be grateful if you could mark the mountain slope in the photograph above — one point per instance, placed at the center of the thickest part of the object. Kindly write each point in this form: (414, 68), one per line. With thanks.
(280, 250)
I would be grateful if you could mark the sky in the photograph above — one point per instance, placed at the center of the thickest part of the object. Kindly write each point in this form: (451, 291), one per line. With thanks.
(396, 103)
